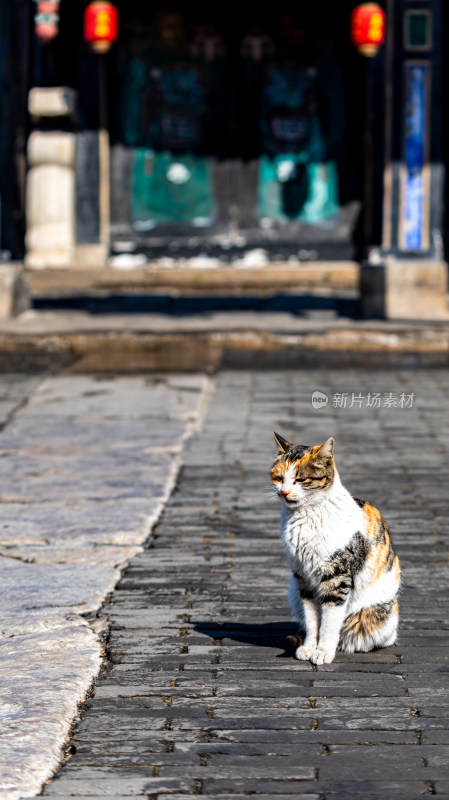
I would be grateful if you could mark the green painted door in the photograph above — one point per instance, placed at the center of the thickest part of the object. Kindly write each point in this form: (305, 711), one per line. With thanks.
(233, 133)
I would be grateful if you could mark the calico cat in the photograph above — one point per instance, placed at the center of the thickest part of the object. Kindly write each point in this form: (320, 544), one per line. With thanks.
(346, 576)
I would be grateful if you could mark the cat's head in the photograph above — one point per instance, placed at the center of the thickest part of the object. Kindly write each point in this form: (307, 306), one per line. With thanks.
(301, 474)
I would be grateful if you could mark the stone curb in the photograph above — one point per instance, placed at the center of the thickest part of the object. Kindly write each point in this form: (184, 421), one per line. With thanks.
(87, 469)
(200, 350)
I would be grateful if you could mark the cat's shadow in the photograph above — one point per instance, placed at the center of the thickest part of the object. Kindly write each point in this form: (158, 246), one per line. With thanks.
(282, 635)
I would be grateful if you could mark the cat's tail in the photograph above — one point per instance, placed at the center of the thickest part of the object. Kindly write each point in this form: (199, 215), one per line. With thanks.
(375, 626)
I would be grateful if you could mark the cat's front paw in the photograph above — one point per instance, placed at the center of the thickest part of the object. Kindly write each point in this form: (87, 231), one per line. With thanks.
(322, 656)
(304, 653)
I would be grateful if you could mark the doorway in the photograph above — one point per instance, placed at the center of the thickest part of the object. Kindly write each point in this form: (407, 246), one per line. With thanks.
(236, 130)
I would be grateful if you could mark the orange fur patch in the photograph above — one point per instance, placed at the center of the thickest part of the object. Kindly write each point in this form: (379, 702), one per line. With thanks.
(376, 529)
(396, 570)
(366, 621)
(281, 467)
(373, 519)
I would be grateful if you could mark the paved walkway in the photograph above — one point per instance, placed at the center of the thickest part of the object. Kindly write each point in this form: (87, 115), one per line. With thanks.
(86, 466)
(199, 696)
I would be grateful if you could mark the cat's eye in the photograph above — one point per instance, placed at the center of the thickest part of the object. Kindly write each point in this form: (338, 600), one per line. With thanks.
(300, 480)
(278, 478)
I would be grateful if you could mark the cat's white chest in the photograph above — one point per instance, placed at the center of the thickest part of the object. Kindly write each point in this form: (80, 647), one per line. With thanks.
(304, 544)
(312, 535)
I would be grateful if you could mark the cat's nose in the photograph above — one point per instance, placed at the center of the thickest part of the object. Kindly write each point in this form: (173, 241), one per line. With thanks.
(285, 492)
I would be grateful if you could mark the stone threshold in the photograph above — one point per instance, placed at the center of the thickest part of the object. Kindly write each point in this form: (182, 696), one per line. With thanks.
(318, 276)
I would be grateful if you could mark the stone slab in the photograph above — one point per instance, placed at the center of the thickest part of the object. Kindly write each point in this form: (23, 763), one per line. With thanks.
(401, 289)
(86, 469)
(116, 398)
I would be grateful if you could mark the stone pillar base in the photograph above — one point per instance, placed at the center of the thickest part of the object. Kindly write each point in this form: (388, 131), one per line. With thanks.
(400, 289)
(91, 256)
(14, 292)
(50, 200)
(48, 259)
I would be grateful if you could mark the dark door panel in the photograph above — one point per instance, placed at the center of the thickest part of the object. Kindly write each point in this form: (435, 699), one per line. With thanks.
(234, 132)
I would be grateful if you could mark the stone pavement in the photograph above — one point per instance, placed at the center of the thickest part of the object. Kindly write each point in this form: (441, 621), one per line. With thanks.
(199, 696)
(86, 466)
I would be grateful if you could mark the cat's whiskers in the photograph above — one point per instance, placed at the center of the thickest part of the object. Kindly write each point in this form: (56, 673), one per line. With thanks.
(271, 494)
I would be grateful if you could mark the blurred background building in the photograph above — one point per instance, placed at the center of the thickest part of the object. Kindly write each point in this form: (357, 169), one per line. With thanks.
(217, 129)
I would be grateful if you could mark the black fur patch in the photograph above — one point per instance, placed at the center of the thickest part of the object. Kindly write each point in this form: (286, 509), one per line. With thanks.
(339, 573)
(382, 611)
(382, 532)
(293, 642)
(296, 452)
(359, 502)
(390, 559)
(305, 590)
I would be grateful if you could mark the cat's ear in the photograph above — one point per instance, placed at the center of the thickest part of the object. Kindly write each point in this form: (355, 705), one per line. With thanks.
(282, 443)
(327, 449)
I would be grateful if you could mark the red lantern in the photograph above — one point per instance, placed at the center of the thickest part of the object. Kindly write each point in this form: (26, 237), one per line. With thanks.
(100, 26)
(368, 28)
(46, 19)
